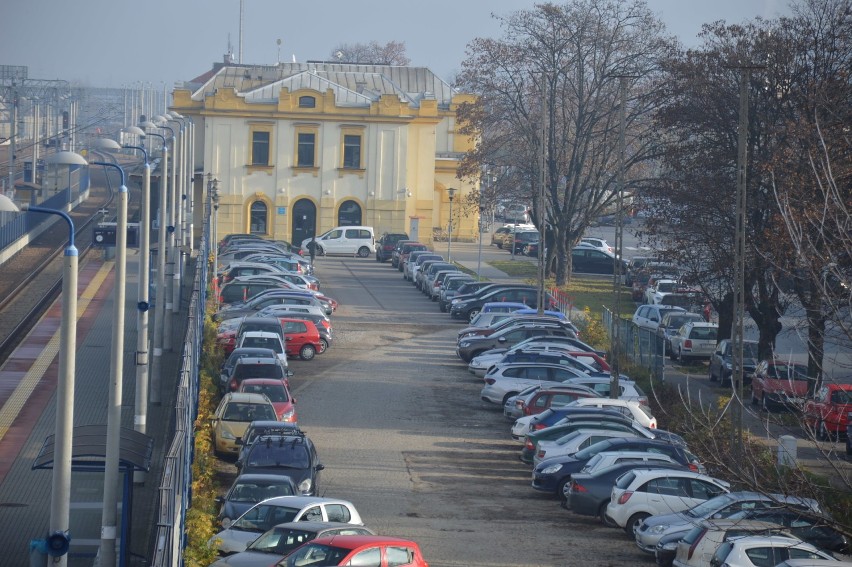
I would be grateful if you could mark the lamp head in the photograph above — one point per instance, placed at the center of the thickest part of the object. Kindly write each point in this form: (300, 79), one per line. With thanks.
(147, 124)
(65, 158)
(135, 131)
(105, 144)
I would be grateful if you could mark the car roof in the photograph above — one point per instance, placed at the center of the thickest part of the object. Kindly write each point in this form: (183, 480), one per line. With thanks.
(262, 334)
(609, 402)
(302, 501)
(314, 525)
(261, 477)
(254, 350)
(269, 381)
(246, 397)
(356, 541)
(251, 360)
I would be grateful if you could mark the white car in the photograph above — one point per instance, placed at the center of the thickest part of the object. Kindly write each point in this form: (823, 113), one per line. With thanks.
(505, 381)
(358, 240)
(596, 243)
(756, 551)
(573, 442)
(629, 389)
(629, 408)
(562, 353)
(694, 340)
(273, 511)
(638, 494)
(264, 339)
(606, 459)
(649, 316)
(655, 294)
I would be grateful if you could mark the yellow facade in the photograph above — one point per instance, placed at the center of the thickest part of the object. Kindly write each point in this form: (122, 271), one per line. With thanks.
(310, 153)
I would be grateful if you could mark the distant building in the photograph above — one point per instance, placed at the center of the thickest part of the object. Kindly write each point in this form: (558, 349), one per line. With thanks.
(299, 148)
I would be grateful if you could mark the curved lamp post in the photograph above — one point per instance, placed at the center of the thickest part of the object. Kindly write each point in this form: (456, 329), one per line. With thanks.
(172, 276)
(111, 458)
(142, 307)
(159, 306)
(60, 493)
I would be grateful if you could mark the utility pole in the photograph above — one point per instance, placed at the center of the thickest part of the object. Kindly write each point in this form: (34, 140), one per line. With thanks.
(542, 207)
(614, 386)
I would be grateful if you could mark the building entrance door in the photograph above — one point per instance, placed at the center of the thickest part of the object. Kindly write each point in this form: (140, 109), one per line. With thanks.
(304, 221)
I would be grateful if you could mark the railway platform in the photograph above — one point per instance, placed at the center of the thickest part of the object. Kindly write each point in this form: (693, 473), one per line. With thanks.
(27, 418)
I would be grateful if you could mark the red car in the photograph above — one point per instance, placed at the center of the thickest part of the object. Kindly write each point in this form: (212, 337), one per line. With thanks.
(356, 550)
(544, 398)
(778, 384)
(302, 336)
(278, 394)
(827, 413)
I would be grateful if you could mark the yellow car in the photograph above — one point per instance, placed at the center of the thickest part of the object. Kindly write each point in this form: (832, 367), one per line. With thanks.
(233, 416)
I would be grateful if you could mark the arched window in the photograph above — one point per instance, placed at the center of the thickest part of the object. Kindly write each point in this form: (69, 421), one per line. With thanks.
(349, 214)
(259, 219)
(307, 102)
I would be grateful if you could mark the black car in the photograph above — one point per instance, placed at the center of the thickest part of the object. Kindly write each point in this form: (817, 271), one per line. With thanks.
(588, 260)
(249, 489)
(721, 362)
(810, 528)
(289, 454)
(551, 475)
(471, 347)
(237, 354)
(467, 308)
(263, 427)
(386, 243)
(521, 239)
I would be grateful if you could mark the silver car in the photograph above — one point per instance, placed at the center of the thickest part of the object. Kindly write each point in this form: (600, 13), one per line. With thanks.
(506, 380)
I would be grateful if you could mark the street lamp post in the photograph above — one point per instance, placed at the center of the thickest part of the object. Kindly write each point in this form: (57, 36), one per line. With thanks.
(213, 190)
(159, 305)
(172, 276)
(142, 307)
(450, 193)
(113, 438)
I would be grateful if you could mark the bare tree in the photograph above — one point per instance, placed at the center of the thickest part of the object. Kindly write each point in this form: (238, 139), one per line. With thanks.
(391, 53)
(579, 50)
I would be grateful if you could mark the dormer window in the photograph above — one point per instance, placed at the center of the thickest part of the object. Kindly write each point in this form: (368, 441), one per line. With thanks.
(307, 102)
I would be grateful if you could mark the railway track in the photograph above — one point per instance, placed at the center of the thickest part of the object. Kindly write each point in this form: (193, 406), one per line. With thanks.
(32, 279)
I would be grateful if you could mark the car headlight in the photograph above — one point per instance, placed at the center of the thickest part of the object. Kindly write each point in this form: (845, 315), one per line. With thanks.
(288, 415)
(659, 529)
(457, 301)
(464, 344)
(305, 486)
(551, 469)
(728, 366)
(226, 522)
(227, 435)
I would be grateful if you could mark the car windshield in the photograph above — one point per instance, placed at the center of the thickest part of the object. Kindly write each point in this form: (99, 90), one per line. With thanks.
(264, 516)
(255, 492)
(258, 371)
(677, 321)
(272, 343)
(568, 438)
(275, 392)
(666, 287)
(315, 554)
(788, 372)
(280, 541)
(247, 412)
(278, 454)
(706, 508)
(593, 450)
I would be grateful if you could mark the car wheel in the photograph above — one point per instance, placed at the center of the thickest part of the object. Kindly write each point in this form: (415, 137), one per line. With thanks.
(471, 314)
(633, 522)
(507, 396)
(562, 489)
(442, 308)
(320, 251)
(363, 252)
(378, 259)
(606, 520)
(323, 346)
(307, 352)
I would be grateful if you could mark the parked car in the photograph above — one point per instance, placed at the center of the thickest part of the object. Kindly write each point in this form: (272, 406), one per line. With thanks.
(269, 513)
(506, 380)
(412, 266)
(350, 240)
(588, 260)
(635, 264)
(291, 454)
(357, 550)
(575, 441)
(469, 347)
(778, 384)
(274, 544)
(653, 528)
(694, 340)
(630, 408)
(232, 417)
(249, 489)
(238, 291)
(641, 493)
(662, 287)
(517, 241)
(812, 528)
(549, 420)
(697, 546)
(595, 243)
(303, 338)
(450, 288)
(260, 367)
(755, 551)
(467, 308)
(228, 367)
(554, 475)
(827, 413)
(277, 392)
(628, 389)
(403, 251)
(264, 339)
(259, 428)
(649, 316)
(721, 362)
(386, 243)
(671, 322)
(590, 490)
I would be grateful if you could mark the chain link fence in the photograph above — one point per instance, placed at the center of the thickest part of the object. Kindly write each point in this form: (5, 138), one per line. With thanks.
(642, 347)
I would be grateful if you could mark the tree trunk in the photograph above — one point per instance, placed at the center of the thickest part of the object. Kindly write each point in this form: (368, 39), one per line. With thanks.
(726, 316)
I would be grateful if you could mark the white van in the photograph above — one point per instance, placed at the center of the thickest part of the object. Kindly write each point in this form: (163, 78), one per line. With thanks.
(358, 240)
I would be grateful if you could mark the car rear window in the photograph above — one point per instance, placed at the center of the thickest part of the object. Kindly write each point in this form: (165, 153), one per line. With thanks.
(625, 480)
(243, 371)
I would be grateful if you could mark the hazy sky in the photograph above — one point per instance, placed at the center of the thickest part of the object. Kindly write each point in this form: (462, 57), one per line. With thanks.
(110, 43)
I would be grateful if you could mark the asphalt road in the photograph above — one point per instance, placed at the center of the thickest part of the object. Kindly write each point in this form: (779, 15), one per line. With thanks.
(398, 423)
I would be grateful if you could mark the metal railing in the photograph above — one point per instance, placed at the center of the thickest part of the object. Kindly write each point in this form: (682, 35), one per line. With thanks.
(175, 492)
(641, 346)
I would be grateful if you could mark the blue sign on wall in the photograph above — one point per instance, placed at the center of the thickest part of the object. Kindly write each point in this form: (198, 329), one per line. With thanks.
(282, 210)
